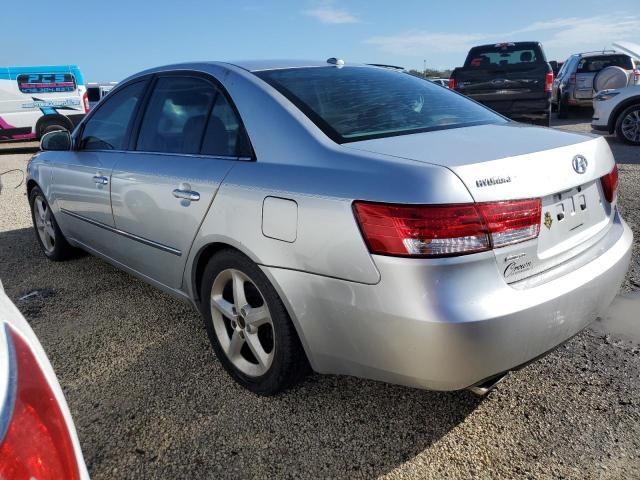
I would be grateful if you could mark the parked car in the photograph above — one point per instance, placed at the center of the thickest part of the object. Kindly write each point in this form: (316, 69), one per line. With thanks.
(37, 435)
(41, 99)
(618, 111)
(443, 82)
(513, 79)
(555, 66)
(97, 91)
(584, 74)
(352, 218)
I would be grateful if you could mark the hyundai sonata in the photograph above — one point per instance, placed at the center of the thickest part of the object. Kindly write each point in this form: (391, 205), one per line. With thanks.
(349, 218)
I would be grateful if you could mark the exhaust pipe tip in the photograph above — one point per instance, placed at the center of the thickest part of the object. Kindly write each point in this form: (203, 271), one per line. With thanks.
(483, 388)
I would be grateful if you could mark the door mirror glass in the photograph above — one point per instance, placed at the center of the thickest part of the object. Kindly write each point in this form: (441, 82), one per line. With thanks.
(57, 140)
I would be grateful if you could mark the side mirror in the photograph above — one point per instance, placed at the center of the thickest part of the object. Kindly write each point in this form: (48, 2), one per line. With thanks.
(58, 140)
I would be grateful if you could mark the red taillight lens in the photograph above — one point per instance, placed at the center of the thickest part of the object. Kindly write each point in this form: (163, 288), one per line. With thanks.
(512, 221)
(37, 443)
(452, 84)
(548, 82)
(446, 230)
(85, 102)
(610, 184)
(572, 78)
(636, 76)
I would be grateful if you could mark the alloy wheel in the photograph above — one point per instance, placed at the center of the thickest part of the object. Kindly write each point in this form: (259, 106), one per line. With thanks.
(631, 126)
(44, 224)
(242, 322)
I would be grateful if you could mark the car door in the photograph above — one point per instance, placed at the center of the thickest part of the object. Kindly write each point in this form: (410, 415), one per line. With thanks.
(189, 138)
(80, 180)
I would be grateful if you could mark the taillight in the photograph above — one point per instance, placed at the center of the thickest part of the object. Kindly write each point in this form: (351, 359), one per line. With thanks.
(548, 82)
(572, 79)
(37, 443)
(610, 184)
(452, 83)
(85, 101)
(446, 230)
(636, 76)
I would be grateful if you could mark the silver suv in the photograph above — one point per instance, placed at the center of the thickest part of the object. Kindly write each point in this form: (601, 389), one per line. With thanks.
(584, 74)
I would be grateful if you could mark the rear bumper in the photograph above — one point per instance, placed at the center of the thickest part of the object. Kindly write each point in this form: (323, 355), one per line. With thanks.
(447, 324)
(580, 102)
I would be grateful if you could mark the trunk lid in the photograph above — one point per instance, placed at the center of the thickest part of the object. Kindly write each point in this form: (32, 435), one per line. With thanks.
(522, 162)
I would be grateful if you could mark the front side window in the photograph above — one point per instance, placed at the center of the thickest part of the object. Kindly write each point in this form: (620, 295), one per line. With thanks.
(108, 126)
(357, 103)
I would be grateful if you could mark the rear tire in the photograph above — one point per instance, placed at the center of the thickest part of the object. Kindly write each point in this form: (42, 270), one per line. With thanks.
(628, 125)
(50, 237)
(250, 332)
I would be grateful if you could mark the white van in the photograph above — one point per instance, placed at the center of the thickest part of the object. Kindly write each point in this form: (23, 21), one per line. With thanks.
(97, 91)
(37, 100)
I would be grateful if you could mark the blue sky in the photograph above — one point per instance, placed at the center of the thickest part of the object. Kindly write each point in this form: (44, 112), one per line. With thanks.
(112, 39)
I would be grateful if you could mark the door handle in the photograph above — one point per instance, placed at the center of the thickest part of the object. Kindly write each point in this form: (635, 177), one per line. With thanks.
(100, 180)
(186, 195)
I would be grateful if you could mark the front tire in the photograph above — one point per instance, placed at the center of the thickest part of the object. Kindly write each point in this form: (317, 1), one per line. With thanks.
(628, 126)
(49, 235)
(248, 326)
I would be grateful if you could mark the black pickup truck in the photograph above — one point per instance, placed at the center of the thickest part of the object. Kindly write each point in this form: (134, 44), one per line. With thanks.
(513, 79)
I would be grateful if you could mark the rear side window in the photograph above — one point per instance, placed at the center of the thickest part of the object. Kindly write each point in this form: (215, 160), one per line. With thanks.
(189, 115)
(357, 103)
(504, 55)
(224, 135)
(595, 64)
(107, 128)
(176, 116)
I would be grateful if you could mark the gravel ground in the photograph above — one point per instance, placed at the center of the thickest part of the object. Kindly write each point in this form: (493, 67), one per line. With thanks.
(150, 400)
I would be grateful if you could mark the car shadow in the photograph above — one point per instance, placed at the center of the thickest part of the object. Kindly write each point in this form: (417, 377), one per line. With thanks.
(149, 396)
(19, 147)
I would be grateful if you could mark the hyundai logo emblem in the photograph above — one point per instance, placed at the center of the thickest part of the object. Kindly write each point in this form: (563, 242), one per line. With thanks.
(580, 164)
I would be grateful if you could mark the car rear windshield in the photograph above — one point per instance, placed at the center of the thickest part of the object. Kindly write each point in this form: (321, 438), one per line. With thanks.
(359, 103)
(93, 94)
(504, 55)
(595, 64)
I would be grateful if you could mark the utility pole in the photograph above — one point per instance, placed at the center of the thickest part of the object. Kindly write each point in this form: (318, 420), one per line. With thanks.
(424, 70)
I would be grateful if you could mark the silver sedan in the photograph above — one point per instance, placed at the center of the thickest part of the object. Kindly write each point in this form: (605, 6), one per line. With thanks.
(348, 219)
